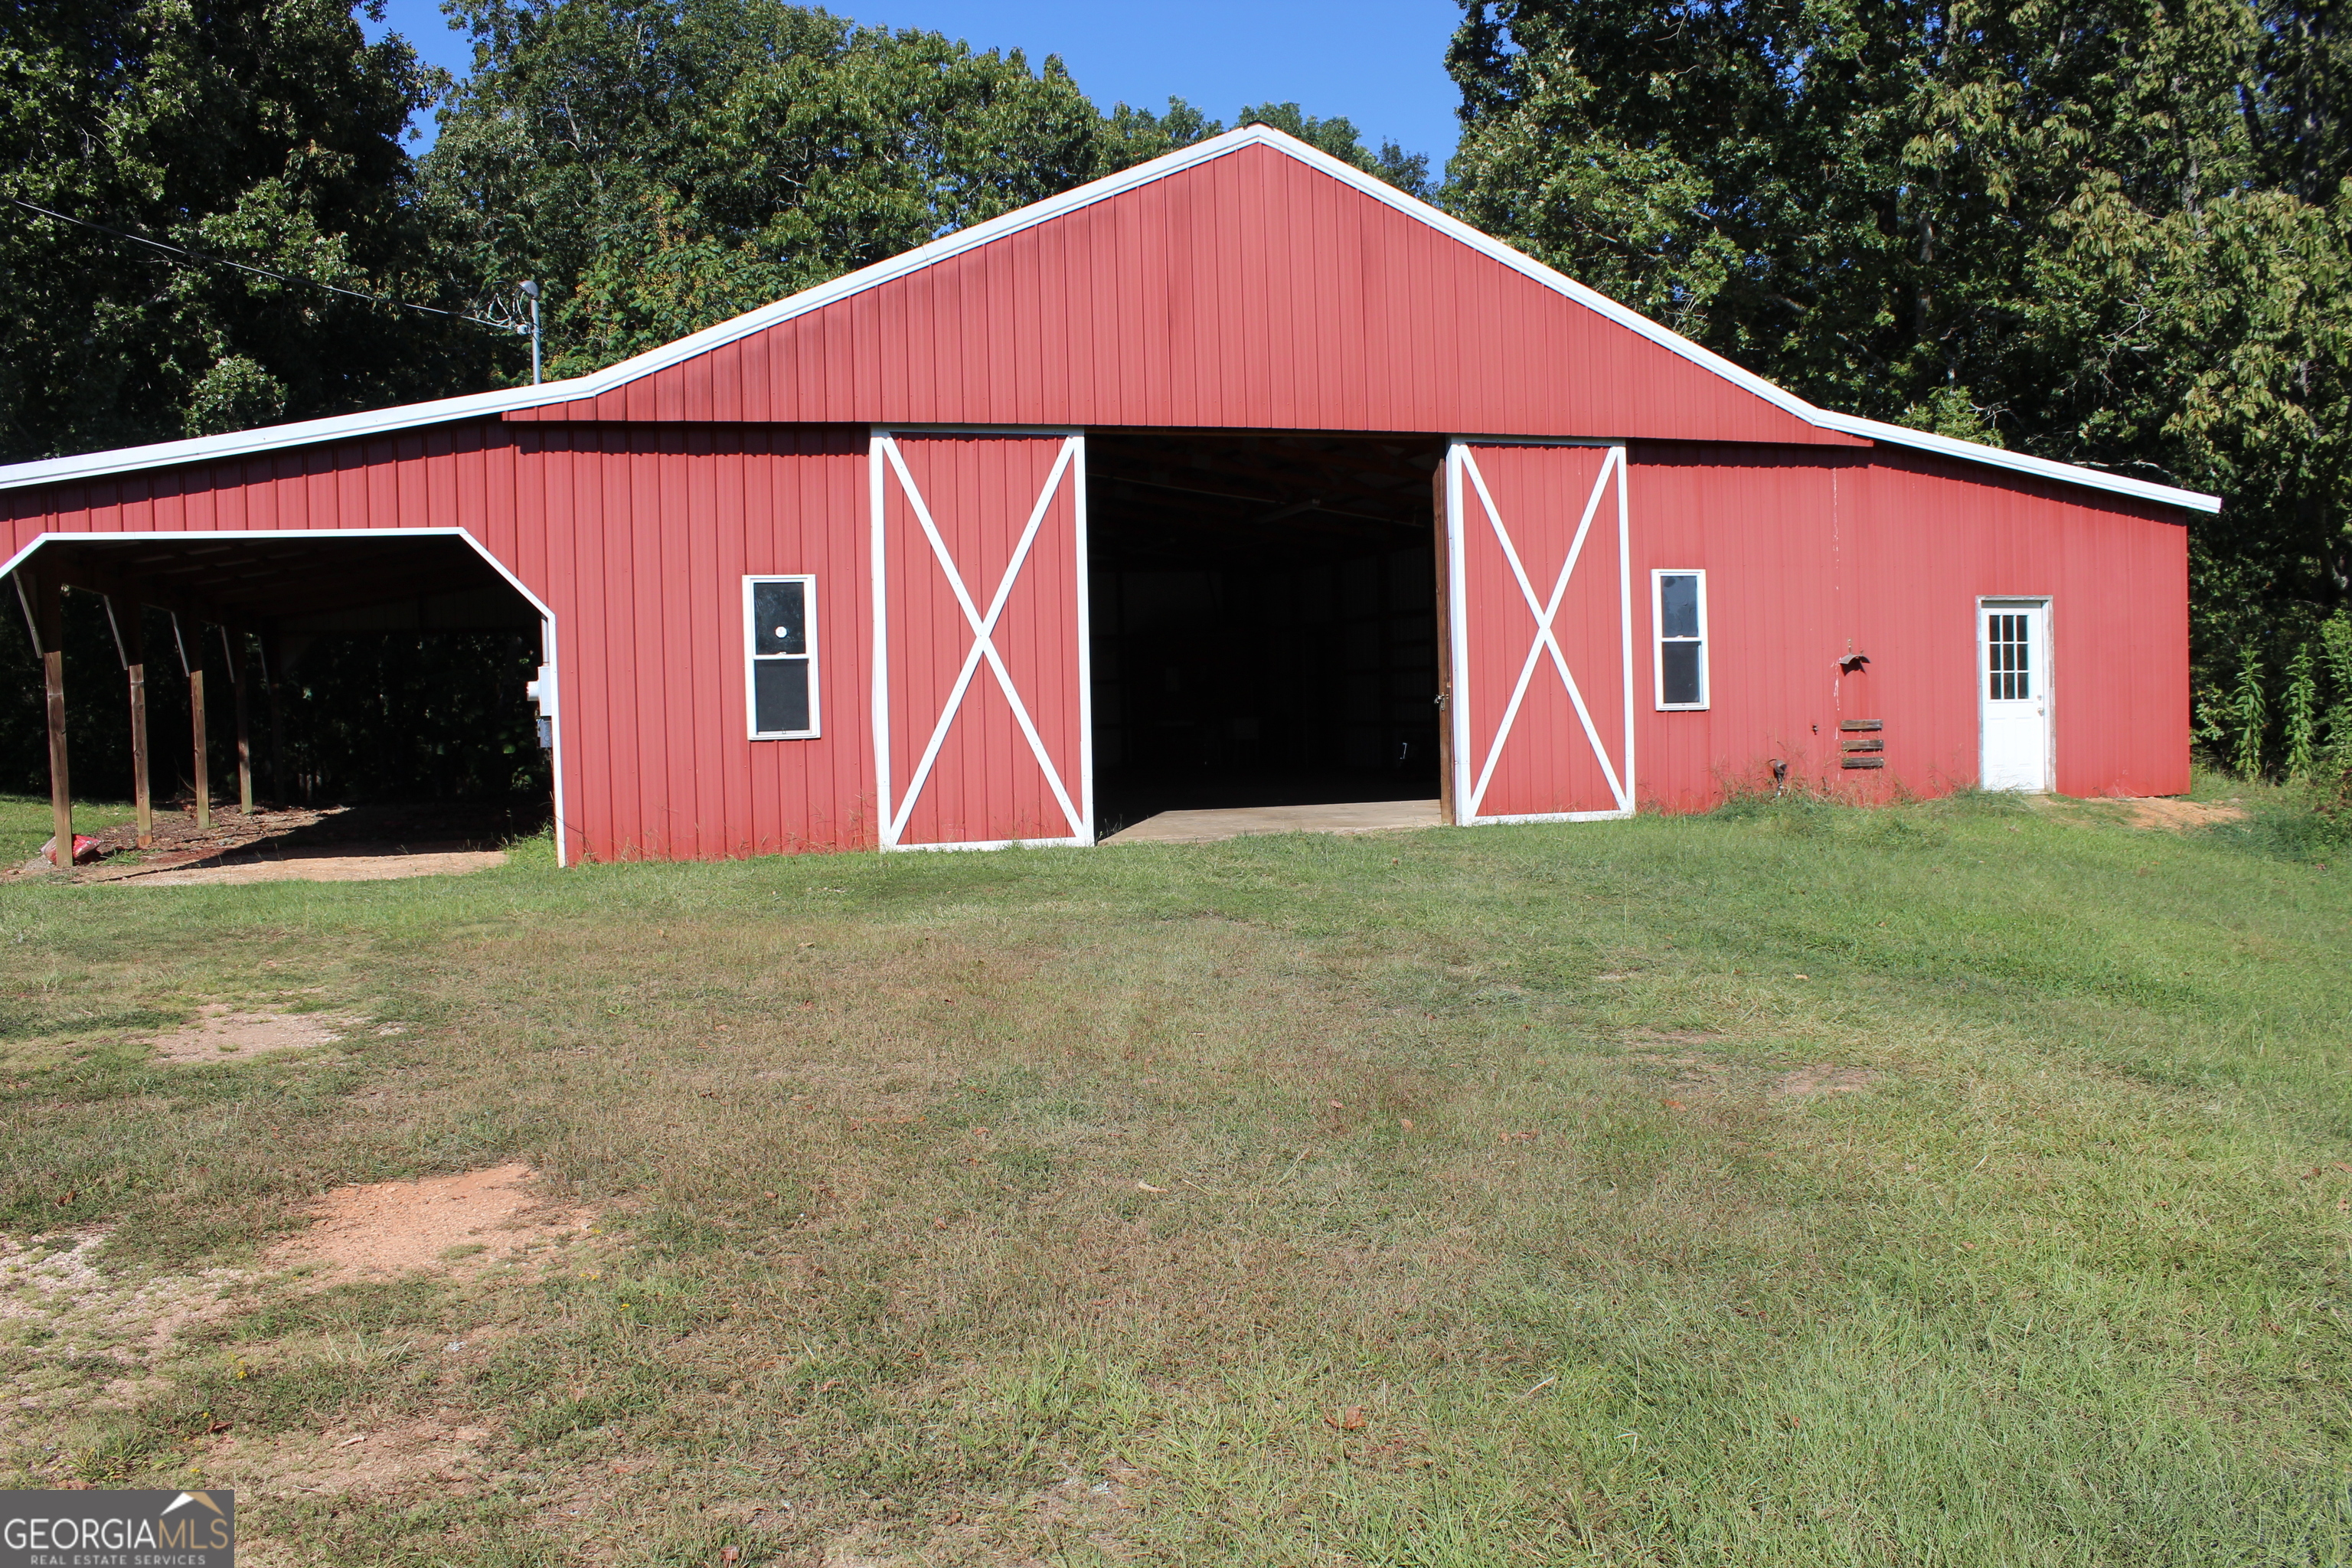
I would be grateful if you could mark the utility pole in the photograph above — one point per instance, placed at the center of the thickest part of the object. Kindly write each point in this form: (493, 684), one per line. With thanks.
(531, 292)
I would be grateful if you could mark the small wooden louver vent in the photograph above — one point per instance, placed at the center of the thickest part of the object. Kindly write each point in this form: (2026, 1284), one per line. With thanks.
(1862, 742)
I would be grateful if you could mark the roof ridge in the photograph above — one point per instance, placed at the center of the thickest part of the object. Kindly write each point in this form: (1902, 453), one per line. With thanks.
(402, 417)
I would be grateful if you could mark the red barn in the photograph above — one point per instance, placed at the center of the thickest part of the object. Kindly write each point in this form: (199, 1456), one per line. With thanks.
(1237, 476)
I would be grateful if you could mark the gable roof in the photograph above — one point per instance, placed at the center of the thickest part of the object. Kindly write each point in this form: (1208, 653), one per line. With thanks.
(1786, 416)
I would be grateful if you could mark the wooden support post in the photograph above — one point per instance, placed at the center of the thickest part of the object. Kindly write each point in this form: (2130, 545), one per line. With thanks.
(49, 616)
(272, 651)
(234, 642)
(131, 641)
(195, 671)
(203, 761)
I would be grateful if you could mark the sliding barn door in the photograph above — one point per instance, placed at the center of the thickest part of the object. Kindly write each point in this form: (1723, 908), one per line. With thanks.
(982, 736)
(1542, 620)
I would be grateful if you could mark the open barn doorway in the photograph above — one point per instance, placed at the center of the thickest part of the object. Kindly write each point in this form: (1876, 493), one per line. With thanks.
(334, 705)
(1264, 618)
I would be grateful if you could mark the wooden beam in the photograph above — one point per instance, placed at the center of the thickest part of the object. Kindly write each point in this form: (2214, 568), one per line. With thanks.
(272, 658)
(131, 641)
(48, 601)
(234, 645)
(195, 668)
(61, 565)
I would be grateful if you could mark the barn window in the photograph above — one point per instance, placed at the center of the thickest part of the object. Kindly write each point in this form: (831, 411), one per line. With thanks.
(1678, 610)
(780, 648)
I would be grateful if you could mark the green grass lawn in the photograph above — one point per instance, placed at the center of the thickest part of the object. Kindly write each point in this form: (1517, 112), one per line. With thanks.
(1962, 1183)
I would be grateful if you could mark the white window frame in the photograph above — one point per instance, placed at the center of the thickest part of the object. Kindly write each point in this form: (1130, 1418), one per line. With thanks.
(1658, 640)
(752, 658)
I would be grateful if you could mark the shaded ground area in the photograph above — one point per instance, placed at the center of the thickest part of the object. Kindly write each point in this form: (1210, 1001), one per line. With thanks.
(1209, 827)
(370, 842)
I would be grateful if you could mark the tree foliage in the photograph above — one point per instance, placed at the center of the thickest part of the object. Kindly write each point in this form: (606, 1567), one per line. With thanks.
(2111, 233)
(264, 131)
(658, 165)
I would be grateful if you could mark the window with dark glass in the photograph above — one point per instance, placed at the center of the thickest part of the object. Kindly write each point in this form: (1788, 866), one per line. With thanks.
(1678, 611)
(779, 631)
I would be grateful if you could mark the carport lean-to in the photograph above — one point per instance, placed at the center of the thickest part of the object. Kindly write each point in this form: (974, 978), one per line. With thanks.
(266, 596)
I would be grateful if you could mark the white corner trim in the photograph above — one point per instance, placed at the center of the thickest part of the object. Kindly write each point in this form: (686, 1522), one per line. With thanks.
(2019, 462)
(242, 443)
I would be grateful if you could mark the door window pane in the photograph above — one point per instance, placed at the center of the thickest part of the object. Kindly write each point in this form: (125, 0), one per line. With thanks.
(2008, 654)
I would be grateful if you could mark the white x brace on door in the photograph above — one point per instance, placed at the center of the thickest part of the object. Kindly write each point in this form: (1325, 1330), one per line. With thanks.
(1542, 614)
(983, 731)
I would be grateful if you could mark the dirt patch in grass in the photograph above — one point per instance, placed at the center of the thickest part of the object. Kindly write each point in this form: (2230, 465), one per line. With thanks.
(442, 1447)
(2180, 815)
(360, 863)
(1698, 1075)
(1808, 1081)
(458, 1224)
(222, 1031)
(63, 1311)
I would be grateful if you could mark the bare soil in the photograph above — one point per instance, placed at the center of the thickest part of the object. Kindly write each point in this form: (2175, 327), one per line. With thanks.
(359, 864)
(460, 1225)
(372, 842)
(1806, 1082)
(221, 1031)
(2180, 816)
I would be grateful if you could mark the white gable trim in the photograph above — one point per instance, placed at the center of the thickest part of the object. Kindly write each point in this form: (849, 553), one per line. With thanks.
(2018, 462)
(414, 416)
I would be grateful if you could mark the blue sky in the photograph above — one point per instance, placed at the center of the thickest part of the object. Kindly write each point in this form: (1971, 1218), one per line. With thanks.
(1381, 63)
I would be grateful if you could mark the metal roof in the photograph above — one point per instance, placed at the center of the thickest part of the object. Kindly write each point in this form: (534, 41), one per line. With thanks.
(407, 416)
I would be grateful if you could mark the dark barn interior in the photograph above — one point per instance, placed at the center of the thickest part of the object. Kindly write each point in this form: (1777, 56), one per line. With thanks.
(1264, 620)
(385, 670)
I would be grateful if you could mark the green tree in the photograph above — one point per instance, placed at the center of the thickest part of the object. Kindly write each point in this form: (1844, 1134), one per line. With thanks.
(265, 132)
(1409, 172)
(2108, 233)
(659, 166)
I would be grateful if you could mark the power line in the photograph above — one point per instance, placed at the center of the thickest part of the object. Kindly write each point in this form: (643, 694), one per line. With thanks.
(258, 272)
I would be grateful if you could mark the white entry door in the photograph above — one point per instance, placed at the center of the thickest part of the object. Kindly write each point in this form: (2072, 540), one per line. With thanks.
(2013, 692)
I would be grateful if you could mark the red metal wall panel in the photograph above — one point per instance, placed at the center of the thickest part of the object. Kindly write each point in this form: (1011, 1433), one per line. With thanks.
(962, 768)
(1811, 556)
(637, 539)
(1251, 291)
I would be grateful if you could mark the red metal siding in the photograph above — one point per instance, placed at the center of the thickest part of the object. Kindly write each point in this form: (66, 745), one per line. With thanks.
(638, 539)
(983, 783)
(1548, 503)
(1251, 291)
(1812, 555)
